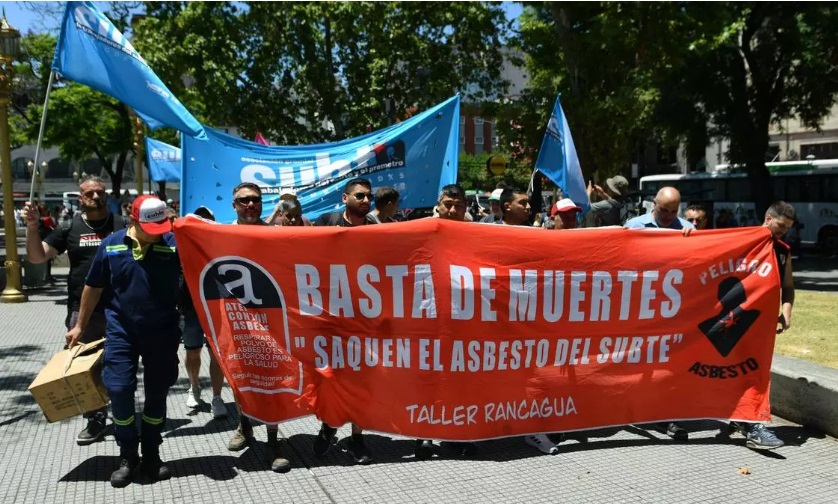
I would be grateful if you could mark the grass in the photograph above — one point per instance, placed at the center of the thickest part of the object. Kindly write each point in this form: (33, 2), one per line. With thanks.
(813, 335)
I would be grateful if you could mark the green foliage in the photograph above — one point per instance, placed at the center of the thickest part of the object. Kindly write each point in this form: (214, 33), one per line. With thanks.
(82, 122)
(473, 174)
(319, 71)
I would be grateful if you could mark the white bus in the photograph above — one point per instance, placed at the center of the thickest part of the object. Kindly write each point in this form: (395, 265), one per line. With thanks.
(811, 186)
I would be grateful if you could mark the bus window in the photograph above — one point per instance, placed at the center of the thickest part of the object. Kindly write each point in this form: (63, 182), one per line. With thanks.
(829, 189)
(738, 189)
(779, 184)
(802, 189)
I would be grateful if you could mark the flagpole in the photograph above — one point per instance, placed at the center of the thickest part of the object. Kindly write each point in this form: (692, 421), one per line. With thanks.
(139, 152)
(40, 140)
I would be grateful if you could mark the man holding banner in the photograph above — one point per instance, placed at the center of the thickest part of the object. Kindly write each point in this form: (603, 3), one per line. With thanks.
(247, 202)
(357, 195)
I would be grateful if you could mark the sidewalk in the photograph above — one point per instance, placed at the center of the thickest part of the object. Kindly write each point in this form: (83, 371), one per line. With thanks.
(40, 462)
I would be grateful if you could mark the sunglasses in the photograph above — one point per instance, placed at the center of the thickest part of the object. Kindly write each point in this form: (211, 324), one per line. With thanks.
(90, 194)
(361, 195)
(244, 200)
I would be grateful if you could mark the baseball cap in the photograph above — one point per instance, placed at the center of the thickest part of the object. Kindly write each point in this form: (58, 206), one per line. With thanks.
(564, 205)
(150, 212)
(496, 195)
(204, 210)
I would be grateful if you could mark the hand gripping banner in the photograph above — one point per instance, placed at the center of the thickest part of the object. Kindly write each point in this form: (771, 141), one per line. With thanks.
(416, 157)
(412, 329)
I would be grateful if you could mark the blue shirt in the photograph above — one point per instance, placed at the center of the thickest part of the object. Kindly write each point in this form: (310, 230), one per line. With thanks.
(648, 221)
(144, 295)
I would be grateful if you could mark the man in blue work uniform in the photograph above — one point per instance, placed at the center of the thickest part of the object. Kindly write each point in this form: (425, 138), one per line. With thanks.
(140, 267)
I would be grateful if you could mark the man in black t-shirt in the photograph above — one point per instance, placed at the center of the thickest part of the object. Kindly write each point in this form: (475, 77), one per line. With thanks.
(357, 196)
(80, 238)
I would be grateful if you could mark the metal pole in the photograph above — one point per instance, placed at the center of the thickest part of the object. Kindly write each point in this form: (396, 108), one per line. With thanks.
(139, 150)
(40, 139)
(13, 292)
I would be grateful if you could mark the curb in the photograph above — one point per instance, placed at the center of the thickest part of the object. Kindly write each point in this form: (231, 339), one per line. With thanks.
(805, 393)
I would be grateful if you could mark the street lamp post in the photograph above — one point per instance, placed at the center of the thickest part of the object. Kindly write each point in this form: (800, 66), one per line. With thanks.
(9, 50)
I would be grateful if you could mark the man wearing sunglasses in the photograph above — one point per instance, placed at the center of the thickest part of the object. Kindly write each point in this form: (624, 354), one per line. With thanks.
(80, 238)
(357, 196)
(697, 216)
(247, 202)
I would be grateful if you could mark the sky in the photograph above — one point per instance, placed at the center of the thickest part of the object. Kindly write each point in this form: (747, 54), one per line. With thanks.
(25, 20)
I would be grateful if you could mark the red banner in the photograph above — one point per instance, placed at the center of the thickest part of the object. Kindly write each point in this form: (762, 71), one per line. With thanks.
(459, 331)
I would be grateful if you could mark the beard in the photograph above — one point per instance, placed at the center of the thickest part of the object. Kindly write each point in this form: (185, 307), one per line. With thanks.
(92, 205)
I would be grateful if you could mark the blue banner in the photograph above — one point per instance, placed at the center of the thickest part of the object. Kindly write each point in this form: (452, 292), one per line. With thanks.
(557, 158)
(163, 161)
(91, 51)
(416, 157)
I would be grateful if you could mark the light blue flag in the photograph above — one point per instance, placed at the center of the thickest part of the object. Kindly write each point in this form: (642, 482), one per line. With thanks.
(91, 51)
(416, 157)
(163, 161)
(557, 158)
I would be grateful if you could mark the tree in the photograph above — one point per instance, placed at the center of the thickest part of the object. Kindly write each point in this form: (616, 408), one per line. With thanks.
(602, 57)
(320, 71)
(749, 65)
(82, 122)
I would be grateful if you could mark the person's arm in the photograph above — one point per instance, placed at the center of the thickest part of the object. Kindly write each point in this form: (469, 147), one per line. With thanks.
(89, 299)
(272, 219)
(98, 277)
(36, 251)
(787, 296)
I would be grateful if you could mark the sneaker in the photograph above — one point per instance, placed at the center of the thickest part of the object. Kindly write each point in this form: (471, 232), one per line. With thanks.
(557, 437)
(543, 443)
(95, 431)
(358, 450)
(758, 436)
(424, 449)
(194, 397)
(674, 431)
(278, 462)
(241, 438)
(218, 408)
(324, 440)
(154, 469)
(123, 476)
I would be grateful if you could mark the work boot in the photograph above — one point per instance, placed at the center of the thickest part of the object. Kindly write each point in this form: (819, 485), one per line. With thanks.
(358, 450)
(95, 431)
(123, 476)
(241, 438)
(424, 449)
(324, 440)
(154, 468)
(279, 463)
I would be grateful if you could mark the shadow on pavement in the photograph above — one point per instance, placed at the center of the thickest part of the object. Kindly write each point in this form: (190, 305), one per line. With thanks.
(18, 418)
(97, 468)
(215, 467)
(19, 351)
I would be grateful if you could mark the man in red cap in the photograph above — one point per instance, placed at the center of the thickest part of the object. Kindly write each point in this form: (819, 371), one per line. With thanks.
(564, 214)
(137, 271)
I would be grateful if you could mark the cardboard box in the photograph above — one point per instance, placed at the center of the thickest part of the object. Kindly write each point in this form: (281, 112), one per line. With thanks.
(71, 382)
